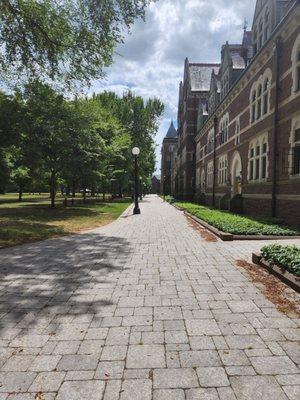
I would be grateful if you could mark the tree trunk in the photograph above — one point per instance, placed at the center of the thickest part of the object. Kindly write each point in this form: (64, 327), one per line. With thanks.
(52, 188)
(73, 189)
(20, 193)
(84, 195)
(103, 193)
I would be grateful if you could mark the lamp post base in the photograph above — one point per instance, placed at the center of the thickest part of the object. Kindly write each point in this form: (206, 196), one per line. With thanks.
(136, 210)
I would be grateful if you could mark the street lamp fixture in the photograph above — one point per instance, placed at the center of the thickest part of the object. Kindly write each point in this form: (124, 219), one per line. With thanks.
(136, 152)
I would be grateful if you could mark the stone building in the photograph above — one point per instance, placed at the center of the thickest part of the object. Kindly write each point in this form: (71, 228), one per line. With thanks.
(155, 184)
(193, 96)
(247, 147)
(169, 147)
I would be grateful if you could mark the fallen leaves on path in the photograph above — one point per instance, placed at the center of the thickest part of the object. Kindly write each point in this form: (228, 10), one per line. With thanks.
(39, 396)
(284, 298)
(203, 232)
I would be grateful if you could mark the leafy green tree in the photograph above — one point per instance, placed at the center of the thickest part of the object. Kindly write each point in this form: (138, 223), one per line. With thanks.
(63, 40)
(50, 131)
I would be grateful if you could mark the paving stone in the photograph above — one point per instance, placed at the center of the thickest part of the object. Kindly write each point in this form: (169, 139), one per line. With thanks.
(242, 342)
(212, 377)
(146, 356)
(47, 382)
(293, 392)
(151, 292)
(136, 389)
(200, 358)
(178, 378)
(114, 353)
(110, 370)
(139, 320)
(44, 363)
(152, 338)
(117, 336)
(233, 357)
(79, 375)
(112, 390)
(78, 362)
(202, 327)
(91, 347)
(15, 381)
(243, 306)
(66, 347)
(202, 394)
(248, 388)
(168, 394)
(176, 337)
(18, 363)
(226, 393)
(81, 390)
(201, 343)
(273, 365)
(29, 341)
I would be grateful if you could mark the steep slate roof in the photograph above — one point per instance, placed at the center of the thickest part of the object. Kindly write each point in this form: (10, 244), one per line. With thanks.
(200, 75)
(236, 51)
(172, 133)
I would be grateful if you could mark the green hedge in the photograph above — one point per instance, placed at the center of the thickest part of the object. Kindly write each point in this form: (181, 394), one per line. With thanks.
(287, 257)
(237, 224)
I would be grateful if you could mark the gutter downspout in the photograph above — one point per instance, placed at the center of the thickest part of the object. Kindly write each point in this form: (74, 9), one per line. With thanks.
(215, 159)
(277, 49)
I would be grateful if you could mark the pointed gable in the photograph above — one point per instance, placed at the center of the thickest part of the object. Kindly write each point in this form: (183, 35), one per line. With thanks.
(172, 132)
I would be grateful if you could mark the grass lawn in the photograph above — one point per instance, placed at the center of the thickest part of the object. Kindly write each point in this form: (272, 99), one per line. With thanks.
(238, 224)
(33, 219)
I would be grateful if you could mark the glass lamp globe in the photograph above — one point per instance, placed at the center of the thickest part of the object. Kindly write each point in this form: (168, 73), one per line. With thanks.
(135, 151)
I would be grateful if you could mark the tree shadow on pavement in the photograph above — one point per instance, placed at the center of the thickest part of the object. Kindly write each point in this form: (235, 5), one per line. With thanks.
(58, 279)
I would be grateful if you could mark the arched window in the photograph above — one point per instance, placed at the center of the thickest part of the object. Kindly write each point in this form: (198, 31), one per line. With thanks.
(296, 65)
(258, 153)
(237, 131)
(253, 105)
(210, 141)
(266, 96)
(258, 108)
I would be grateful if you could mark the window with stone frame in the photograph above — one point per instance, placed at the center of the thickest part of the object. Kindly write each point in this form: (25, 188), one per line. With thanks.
(224, 129)
(210, 174)
(296, 152)
(258, 159)
(253, 105)
(223, 170)
(210, 142)
(266, 96)
(258, 107)
(237, 139)
(296, 65)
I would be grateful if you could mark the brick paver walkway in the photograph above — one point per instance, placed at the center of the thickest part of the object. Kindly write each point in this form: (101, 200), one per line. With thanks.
(141, 309)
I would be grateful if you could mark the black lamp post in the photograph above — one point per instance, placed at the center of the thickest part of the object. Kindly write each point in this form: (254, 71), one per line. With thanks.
(136, 152)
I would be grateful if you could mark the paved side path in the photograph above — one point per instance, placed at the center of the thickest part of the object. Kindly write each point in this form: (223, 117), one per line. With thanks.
(141, 309)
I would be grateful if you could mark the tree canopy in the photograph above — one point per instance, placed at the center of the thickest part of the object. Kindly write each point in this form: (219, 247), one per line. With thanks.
(84, 143)
(64, 40)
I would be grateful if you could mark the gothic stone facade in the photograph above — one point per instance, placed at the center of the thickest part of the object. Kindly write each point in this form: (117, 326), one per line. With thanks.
(248, 148)
(169, 147)
(193, 94)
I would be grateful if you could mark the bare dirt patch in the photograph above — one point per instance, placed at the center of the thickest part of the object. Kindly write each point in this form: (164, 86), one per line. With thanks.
(285, 299)
(204, 233)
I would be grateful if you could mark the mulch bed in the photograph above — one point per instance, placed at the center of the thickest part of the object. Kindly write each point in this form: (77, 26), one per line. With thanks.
(285, 299)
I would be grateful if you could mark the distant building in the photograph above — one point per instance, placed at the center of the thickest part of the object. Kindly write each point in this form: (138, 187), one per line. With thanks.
(169, 148)
(241, 151)
(155, 184)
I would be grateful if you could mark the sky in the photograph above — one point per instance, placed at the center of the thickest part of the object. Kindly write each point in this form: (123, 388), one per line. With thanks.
(151, 60)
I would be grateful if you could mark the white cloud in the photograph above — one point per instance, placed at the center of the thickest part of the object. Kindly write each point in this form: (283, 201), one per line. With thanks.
(151, 61)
